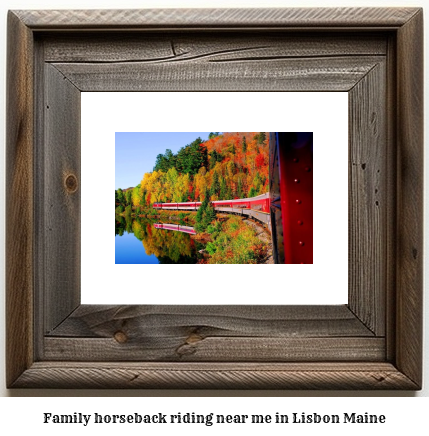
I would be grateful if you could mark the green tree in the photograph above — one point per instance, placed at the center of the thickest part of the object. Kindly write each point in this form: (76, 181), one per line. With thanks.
(215, 188)
(142, 196)
(192, 157)
(210, 215)
(260, 137)
(223, 190)
(229, 194)
(128, 196)
(165, 161)
(128, 211)
(252, 192)
(205, 215)
(159, 163)
(170, 159)
(244, 145)
(135, 195)
(257, 182)
(214, 158)
(239, 188)
(120, 196)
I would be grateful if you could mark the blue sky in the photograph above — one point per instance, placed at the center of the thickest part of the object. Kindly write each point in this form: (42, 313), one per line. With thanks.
(135, 152)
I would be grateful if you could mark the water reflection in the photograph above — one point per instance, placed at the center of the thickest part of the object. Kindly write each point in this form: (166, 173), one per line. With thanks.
(176, 228)
(159, 242)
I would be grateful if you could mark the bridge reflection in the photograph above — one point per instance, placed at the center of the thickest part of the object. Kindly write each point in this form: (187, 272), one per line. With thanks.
(176, 228)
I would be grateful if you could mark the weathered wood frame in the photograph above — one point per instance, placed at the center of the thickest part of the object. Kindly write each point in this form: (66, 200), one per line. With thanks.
(374, 342)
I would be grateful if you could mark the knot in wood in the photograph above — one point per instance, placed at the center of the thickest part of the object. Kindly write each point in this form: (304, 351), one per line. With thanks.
(71, 183)
(120, 337)
(193, 337)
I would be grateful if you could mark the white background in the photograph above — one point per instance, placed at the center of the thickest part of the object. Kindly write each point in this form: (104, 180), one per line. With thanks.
(104, 113)
(18, 414)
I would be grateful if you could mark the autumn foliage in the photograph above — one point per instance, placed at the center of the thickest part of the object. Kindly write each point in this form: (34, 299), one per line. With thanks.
(226, 166)
(235, 243)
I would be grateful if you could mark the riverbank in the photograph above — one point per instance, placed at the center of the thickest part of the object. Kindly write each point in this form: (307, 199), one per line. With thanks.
(264, 235)
(236, 240)
(229, 239)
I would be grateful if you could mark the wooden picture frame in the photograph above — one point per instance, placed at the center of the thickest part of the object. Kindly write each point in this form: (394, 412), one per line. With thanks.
(373, 342)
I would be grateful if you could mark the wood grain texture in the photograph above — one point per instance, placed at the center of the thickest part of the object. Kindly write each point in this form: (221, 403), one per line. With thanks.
(177, 347)
(289, 18)
(61, 187)
(224, 47)
(410, 199)
(215, 376)
(391, 190)
(306, 74)
(207, 50)
(368, 202)
(19, 200)
(99, 321)
(39, 200)
(213, 333)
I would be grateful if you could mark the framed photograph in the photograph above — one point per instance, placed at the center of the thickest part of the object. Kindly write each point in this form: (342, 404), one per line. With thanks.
(368, 233)
(156, 222)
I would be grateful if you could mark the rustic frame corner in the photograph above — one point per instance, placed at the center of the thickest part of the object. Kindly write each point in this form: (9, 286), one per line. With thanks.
(373, 342)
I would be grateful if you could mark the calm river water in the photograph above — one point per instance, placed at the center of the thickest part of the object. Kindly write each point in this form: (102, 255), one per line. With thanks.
(144, 242)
